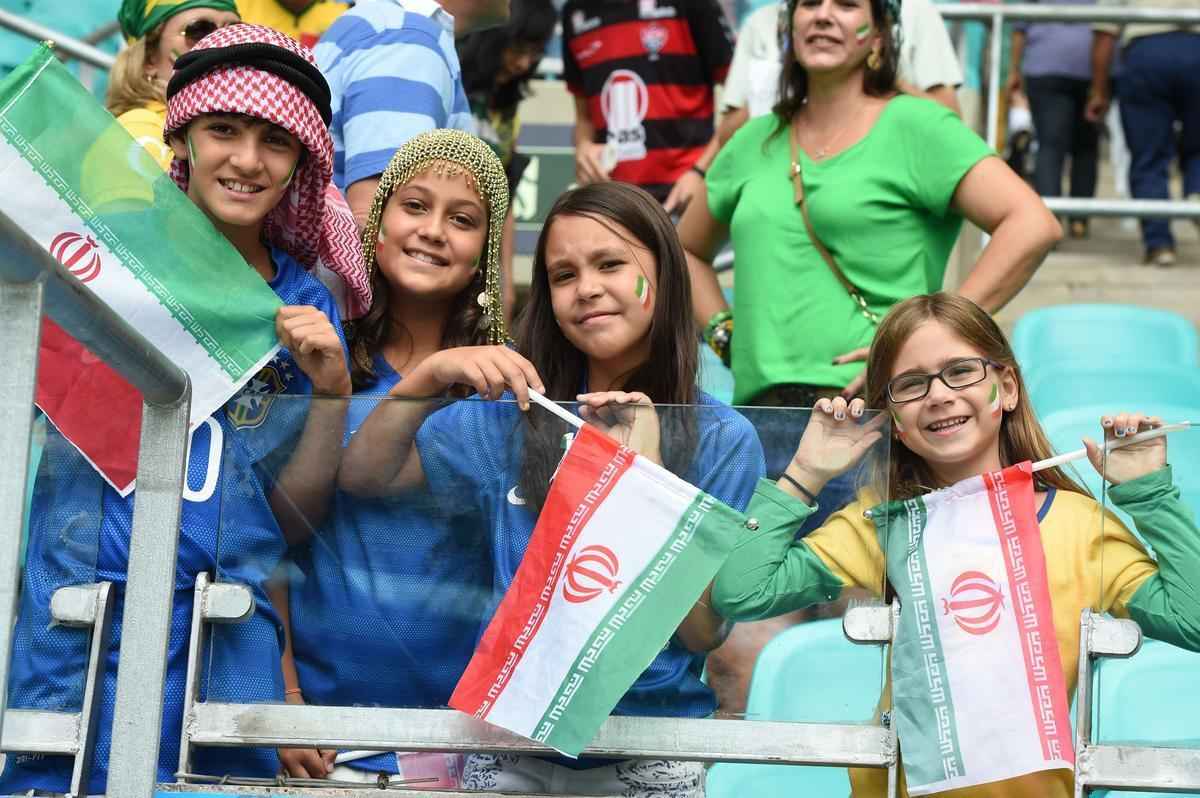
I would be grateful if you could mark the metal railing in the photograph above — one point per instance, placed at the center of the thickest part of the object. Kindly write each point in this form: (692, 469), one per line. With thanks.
(68, 46)
(31, 279)
(995, 15)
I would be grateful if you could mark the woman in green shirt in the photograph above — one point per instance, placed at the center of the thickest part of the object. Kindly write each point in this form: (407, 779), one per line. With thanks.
(888, 179)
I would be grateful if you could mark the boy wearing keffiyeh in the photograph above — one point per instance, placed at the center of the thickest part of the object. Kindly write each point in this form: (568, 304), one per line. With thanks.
(246, 120)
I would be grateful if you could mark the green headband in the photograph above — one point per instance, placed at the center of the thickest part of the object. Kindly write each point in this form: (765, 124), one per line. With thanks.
(139, 17)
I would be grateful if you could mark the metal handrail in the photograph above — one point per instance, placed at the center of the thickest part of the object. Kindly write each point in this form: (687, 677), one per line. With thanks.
(65, 44)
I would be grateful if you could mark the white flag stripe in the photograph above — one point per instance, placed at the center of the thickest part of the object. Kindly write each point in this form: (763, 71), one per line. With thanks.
(626, 522)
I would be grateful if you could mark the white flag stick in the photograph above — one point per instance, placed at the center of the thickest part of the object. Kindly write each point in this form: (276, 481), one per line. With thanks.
(1054, 462)
(570, 418)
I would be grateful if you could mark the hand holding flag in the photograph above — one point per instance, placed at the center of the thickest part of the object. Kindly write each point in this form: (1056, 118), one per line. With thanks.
(627, 418)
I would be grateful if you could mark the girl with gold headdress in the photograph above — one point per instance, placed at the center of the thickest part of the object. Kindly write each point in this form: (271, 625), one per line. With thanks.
(608, 325)
(387, 598)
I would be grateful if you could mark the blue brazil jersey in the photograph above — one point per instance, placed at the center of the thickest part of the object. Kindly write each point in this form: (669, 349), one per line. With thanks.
(472, 452)
(79, 533)
(388, 597)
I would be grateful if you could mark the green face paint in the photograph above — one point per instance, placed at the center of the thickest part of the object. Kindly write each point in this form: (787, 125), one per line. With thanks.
(175, 54)
(864, 31)
(896, 422)
(994, 399)
(641, 290)
(191, 151)
(292, 174)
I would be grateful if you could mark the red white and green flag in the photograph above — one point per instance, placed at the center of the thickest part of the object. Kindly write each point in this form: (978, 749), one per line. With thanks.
(977, 682)
(80, 186)
(621, 552)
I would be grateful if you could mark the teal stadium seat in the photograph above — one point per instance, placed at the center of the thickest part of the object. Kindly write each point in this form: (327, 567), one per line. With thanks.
(714, 379)
(1141, 388)
(1103, 334)
(811, 673)
(1148, 699)
(1065, 428)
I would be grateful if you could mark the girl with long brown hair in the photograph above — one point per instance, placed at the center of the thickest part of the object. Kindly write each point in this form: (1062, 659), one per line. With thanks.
(944, 373)
(607, 325)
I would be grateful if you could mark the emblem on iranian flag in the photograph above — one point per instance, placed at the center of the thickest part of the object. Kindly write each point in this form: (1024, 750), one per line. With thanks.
(975, 602)
(78, 254)
(593, 571)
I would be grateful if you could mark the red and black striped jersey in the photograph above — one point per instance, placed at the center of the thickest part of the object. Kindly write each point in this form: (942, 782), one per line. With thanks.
(647, 69)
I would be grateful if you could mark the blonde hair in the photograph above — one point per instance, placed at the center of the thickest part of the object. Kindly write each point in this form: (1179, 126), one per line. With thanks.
(128, 86)
(905, 474)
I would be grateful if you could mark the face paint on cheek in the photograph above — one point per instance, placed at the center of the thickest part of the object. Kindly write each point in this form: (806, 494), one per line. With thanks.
(863, 32)
(292, 174)
(175, 54)
(994, 400)
(898, 425)
(641, 290)
(191, 152)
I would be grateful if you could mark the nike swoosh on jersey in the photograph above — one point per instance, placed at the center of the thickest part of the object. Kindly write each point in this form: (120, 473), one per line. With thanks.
(513, 498)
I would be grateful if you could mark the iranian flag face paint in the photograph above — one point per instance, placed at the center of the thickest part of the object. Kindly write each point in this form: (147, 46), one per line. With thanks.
(641, 290)
(994, 400)
(863, 32)
(898, 425)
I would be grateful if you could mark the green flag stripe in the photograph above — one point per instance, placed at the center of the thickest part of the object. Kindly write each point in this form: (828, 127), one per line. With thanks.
(617, 653)
(927, 722)
(119, 192)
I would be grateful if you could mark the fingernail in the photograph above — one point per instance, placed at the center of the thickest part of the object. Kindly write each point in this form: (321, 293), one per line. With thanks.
(857, 412)
(839, 415)
(1131, 430)
(1120, 432)
(1107, 422)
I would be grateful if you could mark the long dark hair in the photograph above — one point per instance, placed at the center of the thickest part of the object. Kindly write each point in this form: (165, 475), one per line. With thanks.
(530, 23)
(793, 80)
(668, 375)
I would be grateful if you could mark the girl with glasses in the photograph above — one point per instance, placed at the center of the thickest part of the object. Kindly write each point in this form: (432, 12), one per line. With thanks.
(947, 376)
(157, 32)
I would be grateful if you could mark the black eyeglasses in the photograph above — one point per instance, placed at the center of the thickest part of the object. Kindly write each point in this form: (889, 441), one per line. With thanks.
(957, 374)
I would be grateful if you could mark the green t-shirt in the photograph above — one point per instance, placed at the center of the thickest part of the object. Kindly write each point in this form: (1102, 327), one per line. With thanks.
(882, 207)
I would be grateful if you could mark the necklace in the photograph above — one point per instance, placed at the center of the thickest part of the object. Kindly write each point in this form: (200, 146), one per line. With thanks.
(823, 152)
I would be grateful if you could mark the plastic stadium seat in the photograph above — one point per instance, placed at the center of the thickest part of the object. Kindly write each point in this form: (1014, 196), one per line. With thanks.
(1065, 428)
(1148, 699)
(1120, 387)
(1104, 334)
(812, 673)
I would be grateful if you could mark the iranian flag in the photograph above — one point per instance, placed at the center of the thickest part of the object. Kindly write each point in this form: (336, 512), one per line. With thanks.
(977, 682)
(621, 551)
(80, 186)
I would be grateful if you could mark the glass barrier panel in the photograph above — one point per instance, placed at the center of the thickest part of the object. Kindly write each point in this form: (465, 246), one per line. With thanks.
(1150, 571)
(76, 530)
(388, 579)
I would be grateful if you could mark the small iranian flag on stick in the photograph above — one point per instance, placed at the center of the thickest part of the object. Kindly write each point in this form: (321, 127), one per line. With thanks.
(80, 186)
(621, 551)
(977, 681)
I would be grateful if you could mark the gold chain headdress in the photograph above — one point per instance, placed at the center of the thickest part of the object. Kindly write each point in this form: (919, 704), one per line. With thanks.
(452, 153)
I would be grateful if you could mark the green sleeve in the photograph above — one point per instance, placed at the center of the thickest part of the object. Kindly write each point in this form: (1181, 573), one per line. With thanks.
(1167, 604)
(770, 573)
(941, 150)
(725, 178)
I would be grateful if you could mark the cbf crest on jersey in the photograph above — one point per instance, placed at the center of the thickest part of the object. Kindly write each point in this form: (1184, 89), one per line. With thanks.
(250, 407)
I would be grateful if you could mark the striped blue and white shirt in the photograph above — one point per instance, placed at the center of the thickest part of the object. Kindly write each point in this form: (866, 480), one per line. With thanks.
(393, 73)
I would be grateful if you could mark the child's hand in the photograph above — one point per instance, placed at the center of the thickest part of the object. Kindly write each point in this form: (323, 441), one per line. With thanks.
(488, 369)
(834, 440)
(627, 418)
(1135, 460)
(315, 346)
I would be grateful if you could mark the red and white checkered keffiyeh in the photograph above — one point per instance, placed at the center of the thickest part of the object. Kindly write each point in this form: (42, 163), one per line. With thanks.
(312, 222)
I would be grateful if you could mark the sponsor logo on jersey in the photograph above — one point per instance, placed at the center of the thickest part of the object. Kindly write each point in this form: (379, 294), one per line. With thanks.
(582, 23)
(250, 407)
(624, 101)
(650, 9)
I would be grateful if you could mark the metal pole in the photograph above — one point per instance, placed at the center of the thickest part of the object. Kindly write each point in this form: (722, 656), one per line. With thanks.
(993, 107)
(20, 325)
(146, 626)
(74, 48)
